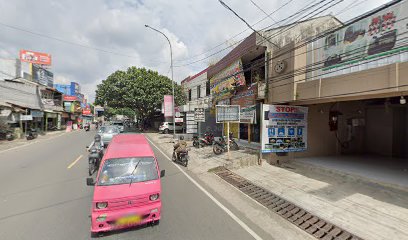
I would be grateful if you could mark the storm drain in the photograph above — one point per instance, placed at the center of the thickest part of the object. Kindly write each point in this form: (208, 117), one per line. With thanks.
(319, 228)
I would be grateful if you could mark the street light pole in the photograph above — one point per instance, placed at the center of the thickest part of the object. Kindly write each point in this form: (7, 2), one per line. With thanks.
(172, 82)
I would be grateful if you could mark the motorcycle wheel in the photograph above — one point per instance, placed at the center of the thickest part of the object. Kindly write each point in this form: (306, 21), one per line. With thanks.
(234, 146)
(217, 149)
(174, 157)
(185, 161)
(196, 144)
(91, 168)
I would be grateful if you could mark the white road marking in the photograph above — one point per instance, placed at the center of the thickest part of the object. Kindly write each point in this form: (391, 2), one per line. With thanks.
(73, 163)
(219, 204)
(36, 141)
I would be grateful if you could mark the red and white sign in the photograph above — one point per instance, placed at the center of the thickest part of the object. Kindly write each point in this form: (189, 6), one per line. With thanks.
(70, 98)
(168, 106)
(179, 120)
(35, 57)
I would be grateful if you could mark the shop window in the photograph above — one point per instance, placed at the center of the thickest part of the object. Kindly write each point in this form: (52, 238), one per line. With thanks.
(198, 92)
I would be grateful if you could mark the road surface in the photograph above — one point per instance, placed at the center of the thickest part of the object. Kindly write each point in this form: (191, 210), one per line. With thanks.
(43, 195)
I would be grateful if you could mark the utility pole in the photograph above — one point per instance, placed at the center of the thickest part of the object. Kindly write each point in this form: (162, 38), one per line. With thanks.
(172, 81)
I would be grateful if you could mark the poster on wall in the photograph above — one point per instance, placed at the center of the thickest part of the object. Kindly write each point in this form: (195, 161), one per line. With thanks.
(222, 84)
(284, 128)
(376, 40)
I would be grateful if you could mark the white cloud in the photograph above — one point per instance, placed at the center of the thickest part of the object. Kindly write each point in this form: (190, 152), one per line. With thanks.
(118, 26)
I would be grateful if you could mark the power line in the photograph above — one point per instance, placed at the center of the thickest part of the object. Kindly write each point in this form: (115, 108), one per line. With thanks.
(256, 5)
(202, 59)
(236, 35)
(72, 43)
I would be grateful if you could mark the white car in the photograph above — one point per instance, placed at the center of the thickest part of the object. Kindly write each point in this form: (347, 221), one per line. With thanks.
(120, 126)
(167, 127)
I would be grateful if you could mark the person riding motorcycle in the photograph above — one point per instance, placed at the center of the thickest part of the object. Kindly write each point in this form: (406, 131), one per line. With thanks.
(181, 146)
(98, 144)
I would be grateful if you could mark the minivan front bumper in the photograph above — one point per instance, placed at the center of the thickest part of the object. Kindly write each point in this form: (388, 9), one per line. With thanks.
(148, 213)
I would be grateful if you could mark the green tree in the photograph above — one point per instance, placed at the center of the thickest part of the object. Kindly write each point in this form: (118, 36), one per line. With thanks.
(136, 89)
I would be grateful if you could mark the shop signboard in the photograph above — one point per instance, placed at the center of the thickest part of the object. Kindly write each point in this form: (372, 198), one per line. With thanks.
(371, 42)
(168, 106)
(37, 114)
(35, 57)
(248, 115)
(222, 84)
(227, 113)
(26, 117)
(70, 98)
(191, 125)
(199, 115)
(179, 120)
(284, 128)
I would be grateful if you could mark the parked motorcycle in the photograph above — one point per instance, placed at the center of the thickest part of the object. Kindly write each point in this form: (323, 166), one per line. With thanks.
(87, 127)
(182, 157)
(31, 134)
(221, 145)
(7, 135)
(202, 142)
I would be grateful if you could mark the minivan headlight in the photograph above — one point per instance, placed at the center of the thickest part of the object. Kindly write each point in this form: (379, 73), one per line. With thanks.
(101, 205)
(154, 197)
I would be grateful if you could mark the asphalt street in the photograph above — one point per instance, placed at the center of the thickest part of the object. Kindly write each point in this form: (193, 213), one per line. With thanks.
(43, 195)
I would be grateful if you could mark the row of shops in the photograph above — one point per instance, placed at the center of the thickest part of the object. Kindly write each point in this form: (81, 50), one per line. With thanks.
(348, 104)
(27, 105)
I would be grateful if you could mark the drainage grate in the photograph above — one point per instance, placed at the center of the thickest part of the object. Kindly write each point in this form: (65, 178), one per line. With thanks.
(315, 226)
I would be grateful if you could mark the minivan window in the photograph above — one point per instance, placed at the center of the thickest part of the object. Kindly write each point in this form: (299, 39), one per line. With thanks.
(119, 171)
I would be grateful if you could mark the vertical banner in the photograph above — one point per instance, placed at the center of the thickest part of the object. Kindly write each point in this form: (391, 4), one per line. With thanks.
(168, 106)
(284, 128)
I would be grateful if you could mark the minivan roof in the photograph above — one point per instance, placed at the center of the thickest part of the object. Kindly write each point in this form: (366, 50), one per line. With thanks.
(128, 145)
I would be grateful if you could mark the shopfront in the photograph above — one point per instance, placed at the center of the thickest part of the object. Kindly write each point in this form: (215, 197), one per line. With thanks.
(38, 118)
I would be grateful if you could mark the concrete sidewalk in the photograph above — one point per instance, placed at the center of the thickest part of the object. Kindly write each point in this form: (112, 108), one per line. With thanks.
(367, 210)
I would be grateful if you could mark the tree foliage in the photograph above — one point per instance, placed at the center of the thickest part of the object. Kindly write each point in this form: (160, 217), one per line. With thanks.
(137, 89)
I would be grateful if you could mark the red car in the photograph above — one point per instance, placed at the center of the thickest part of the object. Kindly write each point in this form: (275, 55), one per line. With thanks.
(127, 188)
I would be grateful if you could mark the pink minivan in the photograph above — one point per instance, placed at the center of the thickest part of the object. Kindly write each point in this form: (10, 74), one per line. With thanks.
(127, 188)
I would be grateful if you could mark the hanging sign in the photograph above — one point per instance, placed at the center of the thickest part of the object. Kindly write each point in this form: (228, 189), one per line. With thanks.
(284, 128)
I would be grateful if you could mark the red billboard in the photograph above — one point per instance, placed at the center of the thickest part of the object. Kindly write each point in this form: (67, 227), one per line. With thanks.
(35, 57)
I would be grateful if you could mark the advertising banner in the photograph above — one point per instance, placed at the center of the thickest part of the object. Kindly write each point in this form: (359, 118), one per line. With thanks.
(168, 105)
(374, 37)
(42, 76)
(35, 57)
(228, 113)
(245, 98)
(199, 115)
(284, 128)
(179, 120)
(248, 115)
(37, 114)
(222, 84)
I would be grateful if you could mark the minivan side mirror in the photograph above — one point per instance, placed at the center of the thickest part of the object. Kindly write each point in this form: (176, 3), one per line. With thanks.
(90, 182)
(162, 173)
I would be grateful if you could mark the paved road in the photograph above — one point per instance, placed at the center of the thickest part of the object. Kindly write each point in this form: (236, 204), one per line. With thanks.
(41, 198)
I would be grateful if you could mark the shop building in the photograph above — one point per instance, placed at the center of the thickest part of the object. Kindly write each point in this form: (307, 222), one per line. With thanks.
(354, 83)
(197, 91)
(239, 78)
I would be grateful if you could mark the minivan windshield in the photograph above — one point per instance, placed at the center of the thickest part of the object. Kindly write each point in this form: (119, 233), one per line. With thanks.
(119, 171)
